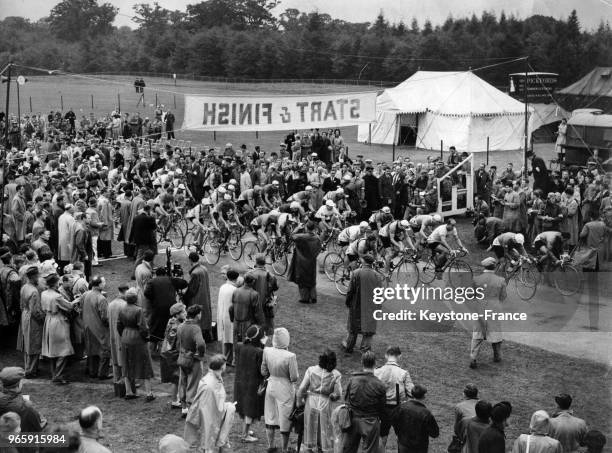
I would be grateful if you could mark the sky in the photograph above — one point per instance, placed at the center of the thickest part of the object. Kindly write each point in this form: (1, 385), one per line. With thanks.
(590, 12)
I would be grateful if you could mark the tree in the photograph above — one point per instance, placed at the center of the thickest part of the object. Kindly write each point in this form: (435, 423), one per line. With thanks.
(238, 14)
(74, 20)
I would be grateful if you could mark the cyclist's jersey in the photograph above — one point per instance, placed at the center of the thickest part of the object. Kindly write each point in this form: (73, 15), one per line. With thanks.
(440, 233)
(359, 247)
(505, 239)
(548, 238)
(350, 234)
(200, 212)
(423, 221)
(225, 209)
(247, 195)
(380, 217)
(264, 220)
(284, 219)
(300, 196)
(326, 214)
(271, 191)
(392, 228)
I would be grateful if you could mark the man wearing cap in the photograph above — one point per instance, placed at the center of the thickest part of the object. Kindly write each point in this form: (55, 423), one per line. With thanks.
(65, 231)
(116, 349)
(198, 293)
(18, 210)
(29, 339)
(538, 441)
(493, 439)
(414, 423)
(360, 305)
(465, 409)
(11, 400)
(82, 249)
(569, 430)
(303, 267)
(97, 335)
(143, 233)
(494, 290)
(105, 215)
(265, 285)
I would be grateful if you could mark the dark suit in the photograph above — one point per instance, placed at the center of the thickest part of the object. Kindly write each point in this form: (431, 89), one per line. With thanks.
(143, 235)
(540, 175)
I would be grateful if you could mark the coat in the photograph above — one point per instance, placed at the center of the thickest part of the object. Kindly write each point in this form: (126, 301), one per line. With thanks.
(105, 213)
(65, 232)
(160, 294)
(225, 327)
(198, 293)
(245, 311)
(113, 310)
(359, 300)
(568, 430)
(82, 250)
(125, 208)
(472, 429)
(512, 215)
(594, 236)
(265, 285)
(18, 209)
(95, 320)
(143, 230)
(56, 331)
(137, 204)
(247, 380)
(492, 440)
(303, 267)
(29, 338)
(538, 443)
(569, 224)
(494, 288)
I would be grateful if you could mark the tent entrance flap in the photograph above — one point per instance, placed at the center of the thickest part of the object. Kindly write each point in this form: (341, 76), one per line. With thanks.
(408, 129)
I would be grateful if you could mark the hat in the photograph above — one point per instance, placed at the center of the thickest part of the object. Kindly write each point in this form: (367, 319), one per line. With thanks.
(177, 308)
(171, 443)
(281, 338)
(330, 203)
(470, 389)
(540, 422)
(121, 287)
(181, 186)
(11, 375)
(489, 263)
(32, 270)
(563, 400)
(228, 145)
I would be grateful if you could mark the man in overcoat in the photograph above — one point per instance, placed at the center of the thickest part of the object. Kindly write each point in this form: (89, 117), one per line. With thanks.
(198, 293)
(303, 267)
(29, 339)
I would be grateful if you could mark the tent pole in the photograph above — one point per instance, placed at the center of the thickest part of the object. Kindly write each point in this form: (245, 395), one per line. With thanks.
(526, 100)
(370, 134)
(394, 137)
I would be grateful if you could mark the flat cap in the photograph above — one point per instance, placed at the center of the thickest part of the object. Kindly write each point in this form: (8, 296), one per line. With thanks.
(11, 375)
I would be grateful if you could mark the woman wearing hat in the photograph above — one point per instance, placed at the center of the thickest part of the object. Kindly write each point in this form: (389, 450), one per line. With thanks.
(537, 441)
(249, 354)
(280, 367)
(56, 343)
(168, 367)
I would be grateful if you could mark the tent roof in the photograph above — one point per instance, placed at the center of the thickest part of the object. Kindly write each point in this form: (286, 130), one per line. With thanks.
(590, 119)
(598, 82)
(449, 93)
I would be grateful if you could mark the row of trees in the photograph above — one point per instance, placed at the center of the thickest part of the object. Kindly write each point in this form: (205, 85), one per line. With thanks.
(243, 38)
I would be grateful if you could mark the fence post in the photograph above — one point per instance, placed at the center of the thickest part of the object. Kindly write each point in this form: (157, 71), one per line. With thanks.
(30, 104)
(487, 150)
(257, 135)
(156, 104)
(441, 150)
(214, 136)
(118, 102)
(175, 99)
(62, 102)
(92, 104)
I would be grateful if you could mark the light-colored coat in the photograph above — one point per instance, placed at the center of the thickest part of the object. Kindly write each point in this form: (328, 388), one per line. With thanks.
(113, 310)
(95, 320)
(29, 338)
(494, 288)
(56, 331)
(65, 232)
(18, 209)
(225, 327)
(105, 214)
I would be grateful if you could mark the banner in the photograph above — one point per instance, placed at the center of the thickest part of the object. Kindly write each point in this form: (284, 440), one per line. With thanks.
(276, 113)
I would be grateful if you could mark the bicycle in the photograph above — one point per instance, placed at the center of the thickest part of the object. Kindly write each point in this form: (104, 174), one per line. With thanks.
(454, 265)
(214, 245)
(566, 278)
(405, 268)
(525, 276)
(276, 253)
(173, 233)
(344, 273)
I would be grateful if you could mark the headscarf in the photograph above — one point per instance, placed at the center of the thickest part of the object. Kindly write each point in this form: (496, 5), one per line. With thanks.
(281, 338)
(540, 423)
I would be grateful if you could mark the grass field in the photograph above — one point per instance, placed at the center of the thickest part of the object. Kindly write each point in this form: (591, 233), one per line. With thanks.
(51, 92)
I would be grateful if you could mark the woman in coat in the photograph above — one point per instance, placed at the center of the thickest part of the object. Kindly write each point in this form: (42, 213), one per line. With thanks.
(319, 389)
(569, 209)
(280, 367)
(56, 343)
(29, 338)
(512, 213)
(169, 369)
(134, 332)
(249, 405)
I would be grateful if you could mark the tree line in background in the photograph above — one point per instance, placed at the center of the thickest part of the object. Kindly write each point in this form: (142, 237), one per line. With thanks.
(243, 38)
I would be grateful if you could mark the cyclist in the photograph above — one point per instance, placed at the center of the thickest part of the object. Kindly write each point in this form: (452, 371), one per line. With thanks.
(286, 221)
(217, 195)
(440, 249)
(225, 213)
(509, 246)
(271, 193)
(249, 200)
(304, 197)
(262, 225)
(202, 217)
(550, 245)
(339, 198)
(422, 225)
(352, 233)
(360, 247)
(380, 218)
(165, 208)
(394, 240)
(329, 217)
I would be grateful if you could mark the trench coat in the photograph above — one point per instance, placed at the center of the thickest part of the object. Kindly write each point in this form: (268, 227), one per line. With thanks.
(225, 327)
(56, 331)
(594, 236)
(18, 209)
(198, 293)
(137, 204)
(124, 218)
(95, 319)
(29, 338)
(569, 224)
(116, 348)
(105, 213)
(494, 288)
(303, 267)
(512, 212)
(359, 300)
(65, 232)
(247, 380)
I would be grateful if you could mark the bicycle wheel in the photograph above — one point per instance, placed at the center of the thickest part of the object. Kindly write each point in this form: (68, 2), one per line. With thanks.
(428, 273)
(280, 264)
(176, 235)
(567, 280)
(526, 283)
(407, 273)
(249, 251)
(331, 261)
(459, 274)
(235, 245)
(342, 278)
(212, 249)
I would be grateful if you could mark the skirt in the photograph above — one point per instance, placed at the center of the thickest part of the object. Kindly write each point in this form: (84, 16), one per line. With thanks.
(137, 362)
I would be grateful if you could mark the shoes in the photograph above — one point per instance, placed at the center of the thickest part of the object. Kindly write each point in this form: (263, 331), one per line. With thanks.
(497, 359)
(313, 301)
(131, 396)
(184, 413)
(176, 405)
(150, 397)
(304, 302)
(31, 375)
(249, 439)
(473, 364)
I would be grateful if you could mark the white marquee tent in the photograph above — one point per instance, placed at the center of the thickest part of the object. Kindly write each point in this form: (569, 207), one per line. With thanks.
(458, 108)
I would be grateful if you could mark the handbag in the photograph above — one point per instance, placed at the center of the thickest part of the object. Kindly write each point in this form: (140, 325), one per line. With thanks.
(185, 360)
(261, 389)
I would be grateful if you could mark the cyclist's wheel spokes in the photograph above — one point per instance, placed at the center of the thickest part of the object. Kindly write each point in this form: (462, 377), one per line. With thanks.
(212, 249)
(459, 274)
(406, 273)
(428, 273)
(567, 280)
(342, 279)
(234, 245)
(330, 263)
(249, 252)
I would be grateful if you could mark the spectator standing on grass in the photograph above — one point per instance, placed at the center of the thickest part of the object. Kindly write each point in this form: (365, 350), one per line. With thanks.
(97, 335)
(465, 409)
(414, 423)
(82, 249)
(537, 441)
(493, 439)
(169, 370)
(90, 421)
(198, 293)
(245, 309)
(170, 119)
(279, 366)
(565, 427)
(65, 231)
(143, 233)
(303, 267)
(116, 348)
(265, 285)
(225, 326)
(12, 400)
(472, 428)
(365, 396)
(395, 379)
(29, 339)
(191, 347)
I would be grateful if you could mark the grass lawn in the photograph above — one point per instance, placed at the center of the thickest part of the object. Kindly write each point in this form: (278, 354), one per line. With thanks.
(438, 357)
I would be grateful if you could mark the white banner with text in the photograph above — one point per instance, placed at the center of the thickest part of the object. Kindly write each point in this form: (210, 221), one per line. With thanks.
(273, 113)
